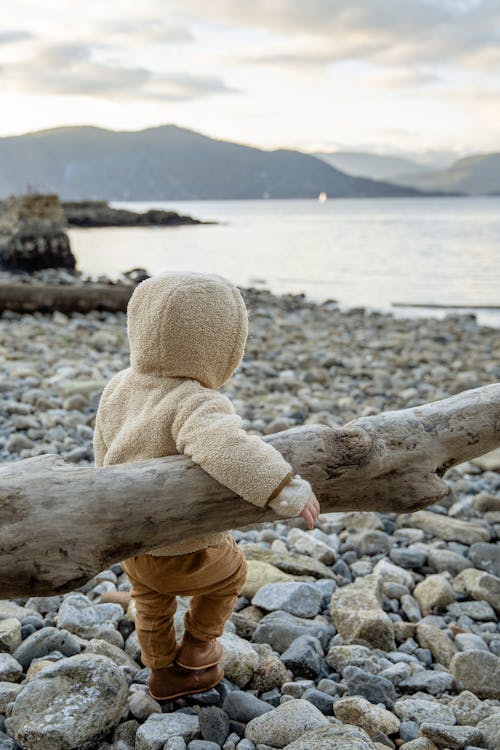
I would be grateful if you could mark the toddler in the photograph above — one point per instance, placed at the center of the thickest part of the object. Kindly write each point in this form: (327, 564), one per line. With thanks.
(187, 334)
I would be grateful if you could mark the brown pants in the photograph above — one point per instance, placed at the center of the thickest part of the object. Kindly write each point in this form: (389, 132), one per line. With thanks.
(213, 577)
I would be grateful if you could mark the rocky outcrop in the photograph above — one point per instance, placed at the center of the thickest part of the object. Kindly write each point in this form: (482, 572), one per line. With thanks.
(100, 214)
(33, 234)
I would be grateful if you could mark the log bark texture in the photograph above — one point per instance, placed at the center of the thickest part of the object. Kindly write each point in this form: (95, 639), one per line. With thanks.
(60, 524)
(67, 298)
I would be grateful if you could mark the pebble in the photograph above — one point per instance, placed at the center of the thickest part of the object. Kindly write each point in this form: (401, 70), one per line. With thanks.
(214, 724)
(362, 713)
(304, 656)
(299, 599)
(284, 724)
(243, 706)
(158, 728)
(70, 704)
(477, 671)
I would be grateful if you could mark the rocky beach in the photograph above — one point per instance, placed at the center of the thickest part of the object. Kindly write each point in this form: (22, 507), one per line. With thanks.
(372, 631)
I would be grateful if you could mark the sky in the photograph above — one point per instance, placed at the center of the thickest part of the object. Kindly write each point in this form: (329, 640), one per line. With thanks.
(418, 77)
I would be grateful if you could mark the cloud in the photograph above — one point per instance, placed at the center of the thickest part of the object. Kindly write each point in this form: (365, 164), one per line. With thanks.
(149, 30)
(15, 35)
(72, 69)
(383, 31)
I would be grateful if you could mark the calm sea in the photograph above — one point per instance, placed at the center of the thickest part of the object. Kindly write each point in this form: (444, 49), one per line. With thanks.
(371, 253)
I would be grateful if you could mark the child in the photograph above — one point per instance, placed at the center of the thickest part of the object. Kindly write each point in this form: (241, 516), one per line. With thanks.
(187, 333)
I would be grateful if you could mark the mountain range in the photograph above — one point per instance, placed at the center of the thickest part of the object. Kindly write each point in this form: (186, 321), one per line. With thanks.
(471, 175)
(168, 163)
(474, 175)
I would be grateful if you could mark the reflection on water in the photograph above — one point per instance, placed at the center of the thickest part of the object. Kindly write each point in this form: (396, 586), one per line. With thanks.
(359, 252)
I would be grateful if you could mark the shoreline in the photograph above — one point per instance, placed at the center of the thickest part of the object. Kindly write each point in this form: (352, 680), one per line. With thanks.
(397, 310)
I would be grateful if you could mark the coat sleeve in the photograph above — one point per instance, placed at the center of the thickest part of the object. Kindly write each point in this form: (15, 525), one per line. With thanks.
(100, 448)
(208, 430)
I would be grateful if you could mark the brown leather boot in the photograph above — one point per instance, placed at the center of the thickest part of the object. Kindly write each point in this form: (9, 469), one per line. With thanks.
(193, 653)
(171, 682)
(116, 597)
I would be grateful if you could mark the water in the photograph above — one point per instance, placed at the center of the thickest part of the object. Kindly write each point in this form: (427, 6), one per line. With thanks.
(364, 252)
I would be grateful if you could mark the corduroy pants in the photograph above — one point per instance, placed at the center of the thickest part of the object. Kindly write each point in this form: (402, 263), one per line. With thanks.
(213, 577)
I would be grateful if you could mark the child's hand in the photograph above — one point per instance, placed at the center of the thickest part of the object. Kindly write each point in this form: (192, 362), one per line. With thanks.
(310, 511)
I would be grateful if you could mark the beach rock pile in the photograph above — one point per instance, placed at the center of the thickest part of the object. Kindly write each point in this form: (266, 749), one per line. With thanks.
(372, 631)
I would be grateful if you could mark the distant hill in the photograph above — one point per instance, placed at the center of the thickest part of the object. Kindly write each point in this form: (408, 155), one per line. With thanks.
(167, 163)
(475, 175)
(375, 166)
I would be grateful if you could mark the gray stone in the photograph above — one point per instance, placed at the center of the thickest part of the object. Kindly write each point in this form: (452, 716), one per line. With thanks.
(214, 724)
(159, 728)
(453, 738)
(477, 671)
(428, 681)
(360, 712)
(387, 571)
(373, 687)
(357, 613)
(42, 642)
(323, 701)
(280, 628)
(490, 730)
(486, 557)
(446, 560)
(468, 709)
(203, 745)
(450, 529)
(306, 543)
(300, 599)
(10, 634)
(470, 642)
(8, 693)
(84, 618)
(244, 706)
(303, 656)
(333, 737)
(175, 743)
(284, 724)
(10, 609)
(411, 608)
(142, 705)
(98, 646)
(418, 710)
(408, 557)
(477, 610)
(70, 704)
(10, 669)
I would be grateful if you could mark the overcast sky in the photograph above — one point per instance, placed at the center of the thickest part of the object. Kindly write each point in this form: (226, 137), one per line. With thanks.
(385, 75)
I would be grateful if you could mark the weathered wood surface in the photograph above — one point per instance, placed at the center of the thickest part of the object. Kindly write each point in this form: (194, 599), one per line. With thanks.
(60, 524)
(67, 298)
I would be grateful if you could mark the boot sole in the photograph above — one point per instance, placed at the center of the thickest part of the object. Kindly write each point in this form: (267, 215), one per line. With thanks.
(189, 692)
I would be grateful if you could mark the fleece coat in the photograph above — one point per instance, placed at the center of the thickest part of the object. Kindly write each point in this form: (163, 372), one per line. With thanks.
(187, 334)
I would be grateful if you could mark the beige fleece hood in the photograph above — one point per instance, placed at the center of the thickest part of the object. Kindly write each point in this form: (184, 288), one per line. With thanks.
(187, 325)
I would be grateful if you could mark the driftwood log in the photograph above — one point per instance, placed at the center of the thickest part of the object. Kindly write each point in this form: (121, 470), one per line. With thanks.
(67, 298)
(60, 524)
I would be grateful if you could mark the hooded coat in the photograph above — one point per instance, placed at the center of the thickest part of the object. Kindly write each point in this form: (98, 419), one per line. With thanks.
(187, 334)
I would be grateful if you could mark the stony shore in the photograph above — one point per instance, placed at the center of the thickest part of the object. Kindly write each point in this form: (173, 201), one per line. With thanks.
(372, 631)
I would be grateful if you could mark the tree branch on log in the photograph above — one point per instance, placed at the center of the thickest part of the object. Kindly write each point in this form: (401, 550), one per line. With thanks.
(60, 524)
